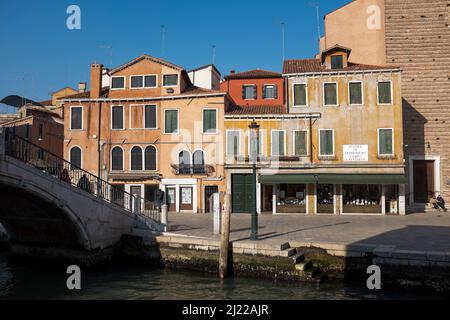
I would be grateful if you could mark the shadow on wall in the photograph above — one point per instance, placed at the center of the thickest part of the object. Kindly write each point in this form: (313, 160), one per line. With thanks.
(413, 136)
(4, 237)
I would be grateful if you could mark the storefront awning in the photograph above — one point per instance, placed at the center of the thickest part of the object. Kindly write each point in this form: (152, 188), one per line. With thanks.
(333, 179)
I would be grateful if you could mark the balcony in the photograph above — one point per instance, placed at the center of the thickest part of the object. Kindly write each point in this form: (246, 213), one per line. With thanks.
(189, 170)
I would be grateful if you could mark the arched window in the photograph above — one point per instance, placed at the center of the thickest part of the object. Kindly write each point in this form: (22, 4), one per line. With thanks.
(150, 158)
(75, 157)
(199, 162)
(184, 158)
(136, 158)
(117, 159)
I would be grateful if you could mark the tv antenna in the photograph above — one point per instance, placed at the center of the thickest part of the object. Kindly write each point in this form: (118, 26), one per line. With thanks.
(110, 48)
(282, 41)
(315, 4)
(163, 39)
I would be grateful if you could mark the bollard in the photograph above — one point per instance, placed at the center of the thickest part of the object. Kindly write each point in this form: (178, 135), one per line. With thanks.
(225, 237)
(165, 218)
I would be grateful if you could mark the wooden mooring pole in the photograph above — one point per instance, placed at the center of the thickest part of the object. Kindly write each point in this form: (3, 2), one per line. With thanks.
(225, 237)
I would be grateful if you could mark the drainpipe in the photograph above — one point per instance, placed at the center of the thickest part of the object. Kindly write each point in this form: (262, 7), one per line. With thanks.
(99, 146)
(310, 141)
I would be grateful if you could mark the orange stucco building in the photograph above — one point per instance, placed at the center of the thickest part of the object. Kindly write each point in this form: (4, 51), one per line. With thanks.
(149, 129)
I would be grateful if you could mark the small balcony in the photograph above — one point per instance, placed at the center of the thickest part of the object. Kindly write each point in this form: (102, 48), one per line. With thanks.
(190, 170)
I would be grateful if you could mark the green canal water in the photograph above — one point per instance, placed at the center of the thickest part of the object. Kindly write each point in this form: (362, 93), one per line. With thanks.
(20, 280)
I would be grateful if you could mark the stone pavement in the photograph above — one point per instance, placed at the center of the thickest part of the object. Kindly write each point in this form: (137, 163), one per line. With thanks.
(420, 232)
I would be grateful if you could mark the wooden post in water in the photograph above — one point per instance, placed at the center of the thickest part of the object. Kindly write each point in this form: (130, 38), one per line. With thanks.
(225, 237)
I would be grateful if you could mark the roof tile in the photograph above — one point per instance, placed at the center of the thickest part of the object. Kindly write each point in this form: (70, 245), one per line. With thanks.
(261, 109)
(315, 65)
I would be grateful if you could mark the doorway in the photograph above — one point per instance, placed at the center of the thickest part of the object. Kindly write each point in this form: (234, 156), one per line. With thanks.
(171, 199)
(186, 199)
(209, 191)
(136, 199)
(241, 193)
(423, 180)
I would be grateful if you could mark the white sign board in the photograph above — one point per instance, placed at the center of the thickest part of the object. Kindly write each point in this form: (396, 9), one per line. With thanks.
(356, 153)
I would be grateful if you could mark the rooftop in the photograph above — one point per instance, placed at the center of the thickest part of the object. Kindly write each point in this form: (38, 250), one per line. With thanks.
(253, 74)
(316, 66)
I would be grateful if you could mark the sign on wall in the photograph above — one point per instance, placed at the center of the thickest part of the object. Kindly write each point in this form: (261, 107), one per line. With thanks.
(356, 153)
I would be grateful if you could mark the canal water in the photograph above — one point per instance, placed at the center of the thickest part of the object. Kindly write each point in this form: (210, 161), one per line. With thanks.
(20, 280)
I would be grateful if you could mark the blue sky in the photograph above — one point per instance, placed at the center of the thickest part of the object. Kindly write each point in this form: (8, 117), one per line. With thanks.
(40, 55)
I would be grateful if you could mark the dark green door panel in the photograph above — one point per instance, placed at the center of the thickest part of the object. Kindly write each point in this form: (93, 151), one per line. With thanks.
(241, 190)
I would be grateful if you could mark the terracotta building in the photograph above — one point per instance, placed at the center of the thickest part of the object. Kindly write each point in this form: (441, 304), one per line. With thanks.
(335, 147)
(415, 36)
(149, 129)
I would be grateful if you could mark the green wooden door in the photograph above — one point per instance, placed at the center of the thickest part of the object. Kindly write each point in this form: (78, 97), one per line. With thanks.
(241, 190)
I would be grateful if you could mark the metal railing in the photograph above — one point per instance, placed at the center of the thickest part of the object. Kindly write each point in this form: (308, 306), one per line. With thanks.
(196, 169)
(25, 151)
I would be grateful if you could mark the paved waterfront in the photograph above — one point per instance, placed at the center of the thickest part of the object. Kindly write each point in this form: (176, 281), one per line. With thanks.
(421, 231)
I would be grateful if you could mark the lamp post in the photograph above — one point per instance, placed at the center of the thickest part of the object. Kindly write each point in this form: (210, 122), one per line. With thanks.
(254, 140)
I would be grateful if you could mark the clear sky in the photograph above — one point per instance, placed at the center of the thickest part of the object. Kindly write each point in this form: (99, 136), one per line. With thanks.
(39, 54)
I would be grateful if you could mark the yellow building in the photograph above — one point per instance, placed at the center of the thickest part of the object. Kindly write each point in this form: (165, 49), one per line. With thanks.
(336, 147)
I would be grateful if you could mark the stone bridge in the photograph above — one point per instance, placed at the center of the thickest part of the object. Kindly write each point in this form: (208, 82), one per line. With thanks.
(40, 210)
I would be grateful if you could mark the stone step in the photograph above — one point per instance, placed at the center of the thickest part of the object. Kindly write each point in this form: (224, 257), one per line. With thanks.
(298, 257)
(288, 252)
(303, 266)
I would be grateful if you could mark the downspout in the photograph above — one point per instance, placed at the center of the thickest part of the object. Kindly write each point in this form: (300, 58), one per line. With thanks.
(99, 144)
(310, 141)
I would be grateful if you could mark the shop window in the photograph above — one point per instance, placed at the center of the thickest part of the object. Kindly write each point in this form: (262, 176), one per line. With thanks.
(325, 198)
(361, 198)
(391, 194)
(291, 198)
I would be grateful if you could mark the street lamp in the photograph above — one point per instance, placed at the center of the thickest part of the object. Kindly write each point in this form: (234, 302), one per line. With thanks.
(254, 141)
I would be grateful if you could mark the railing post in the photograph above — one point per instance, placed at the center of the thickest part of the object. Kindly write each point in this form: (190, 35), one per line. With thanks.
(165, 217)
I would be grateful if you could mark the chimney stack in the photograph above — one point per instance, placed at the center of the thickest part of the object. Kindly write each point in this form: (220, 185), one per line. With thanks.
(82, 87)
(96, 80)
(232, 71)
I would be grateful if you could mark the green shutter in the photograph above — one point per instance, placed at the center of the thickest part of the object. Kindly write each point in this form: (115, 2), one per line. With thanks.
(384, 92)
(355, 93)
(171, 121)
(326, 143)
(300, 143)
(330, 94)
(299, 95)
(385, 141)
(209, 121)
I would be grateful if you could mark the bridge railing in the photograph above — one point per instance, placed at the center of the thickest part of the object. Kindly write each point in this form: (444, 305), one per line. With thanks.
(23, 150)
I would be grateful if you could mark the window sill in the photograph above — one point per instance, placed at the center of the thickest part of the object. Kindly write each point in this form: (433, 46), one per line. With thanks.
(386, 157)
(327, 158)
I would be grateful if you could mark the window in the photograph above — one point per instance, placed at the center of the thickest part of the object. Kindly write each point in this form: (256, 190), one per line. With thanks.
(150, 158)
(150, 116)
(76, 116)
(41, 131)
(249, 92)
(171, 121)
(136, 158)
(148, 81)
(384, 92)
(337, 62)
(170, 80)
(330, 94)
(233, 143)
(260, 144)
(199, 162)
(355, 93)
(209, 121)
(270, 91)
(27, 131)
(184, 158)
(75, 158)
(278, 143)
(117, 117)
(300, 98)
(117, 158)
(385, 141)
(300, 143)
(326, 142)
(117, 82)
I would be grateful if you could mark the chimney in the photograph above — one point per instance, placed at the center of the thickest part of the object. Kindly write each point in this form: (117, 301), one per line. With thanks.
(232, 71)
(82, 87)
(96, 80)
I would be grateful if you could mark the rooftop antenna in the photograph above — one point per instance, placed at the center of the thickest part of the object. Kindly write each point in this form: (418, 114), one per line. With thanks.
(315, 4)
(213, 53)
(163, 39)
(110, 53)
(282, 42)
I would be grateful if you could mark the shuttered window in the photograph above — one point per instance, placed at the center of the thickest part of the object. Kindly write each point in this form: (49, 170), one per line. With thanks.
(150, 116)
(300, 95)
(233, 143)
(76, 114)
(170, 80)
(136, 158)
(117, 117)
(249, 92)
(300, 140)
(150, 158)
(330, 94)
(326, 143)
(384, 92)
(209, 121)
(278, 143)
(385, 141)
(270, 91)
(171, 121)
(355, 92)
(117, 158)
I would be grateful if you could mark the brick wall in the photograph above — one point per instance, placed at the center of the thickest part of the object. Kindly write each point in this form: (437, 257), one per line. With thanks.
(418, 40)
